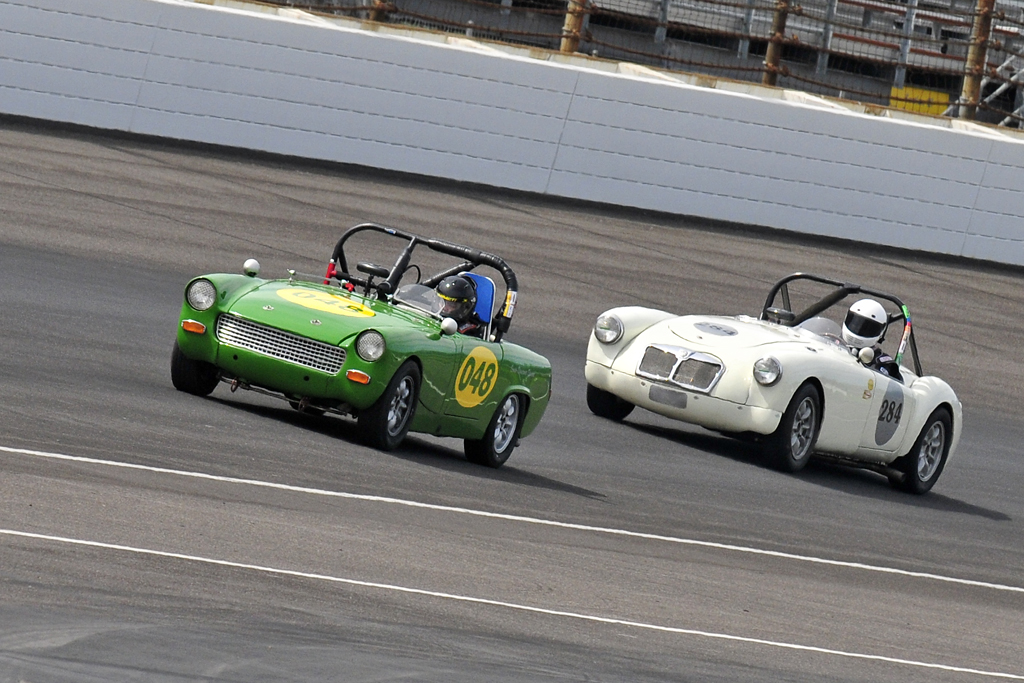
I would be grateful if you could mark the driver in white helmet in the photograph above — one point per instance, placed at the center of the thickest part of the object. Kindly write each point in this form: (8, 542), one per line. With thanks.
(864, 328)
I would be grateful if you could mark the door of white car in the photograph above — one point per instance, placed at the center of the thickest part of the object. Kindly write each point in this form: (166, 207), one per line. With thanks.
(891, 407)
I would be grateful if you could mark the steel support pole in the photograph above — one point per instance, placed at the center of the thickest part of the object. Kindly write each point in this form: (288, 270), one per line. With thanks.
(908, 31)
(826, 38)
(662, 31)
(773, 57)
(748, 25)
(977, 57)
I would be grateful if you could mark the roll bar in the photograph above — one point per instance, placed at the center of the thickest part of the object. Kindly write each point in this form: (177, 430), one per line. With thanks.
(784, 316)
(338, 268)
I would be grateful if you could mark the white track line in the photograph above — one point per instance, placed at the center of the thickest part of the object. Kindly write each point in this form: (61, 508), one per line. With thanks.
(518, 518)
(511, 605)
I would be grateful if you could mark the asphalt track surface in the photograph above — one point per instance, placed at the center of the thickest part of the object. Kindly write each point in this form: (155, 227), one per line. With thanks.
(150, 535)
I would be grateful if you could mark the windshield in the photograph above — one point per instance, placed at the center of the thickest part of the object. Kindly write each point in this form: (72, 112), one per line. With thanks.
(420, 297)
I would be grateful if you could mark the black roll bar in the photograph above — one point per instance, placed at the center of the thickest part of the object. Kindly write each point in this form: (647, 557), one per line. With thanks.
(472, 258)
(843, 290)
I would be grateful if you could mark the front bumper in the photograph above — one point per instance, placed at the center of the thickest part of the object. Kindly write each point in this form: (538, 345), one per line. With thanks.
(696, 408)
(275, 374)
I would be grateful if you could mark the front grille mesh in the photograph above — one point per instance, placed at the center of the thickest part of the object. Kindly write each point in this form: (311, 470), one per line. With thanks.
(686, 369)
(657, 363)
(281, 345)
(696, 374)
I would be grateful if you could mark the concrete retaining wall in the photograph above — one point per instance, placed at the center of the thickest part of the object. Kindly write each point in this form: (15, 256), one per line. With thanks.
(289, 83)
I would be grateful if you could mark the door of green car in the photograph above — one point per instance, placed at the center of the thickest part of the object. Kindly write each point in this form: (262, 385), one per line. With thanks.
(478, 382)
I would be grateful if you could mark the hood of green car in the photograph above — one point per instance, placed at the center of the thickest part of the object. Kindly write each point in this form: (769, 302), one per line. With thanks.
(327, 314)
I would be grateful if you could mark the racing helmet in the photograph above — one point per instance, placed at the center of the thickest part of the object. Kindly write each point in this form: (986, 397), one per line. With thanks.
(458, 297)
(865, 324)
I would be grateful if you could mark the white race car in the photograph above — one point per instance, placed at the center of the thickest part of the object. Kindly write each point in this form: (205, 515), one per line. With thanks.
(785, 379)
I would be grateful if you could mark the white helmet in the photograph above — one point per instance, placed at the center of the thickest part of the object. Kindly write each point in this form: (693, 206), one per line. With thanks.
(865, 324)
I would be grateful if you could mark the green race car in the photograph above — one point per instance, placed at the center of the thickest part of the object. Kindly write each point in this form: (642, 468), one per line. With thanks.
(373, 345)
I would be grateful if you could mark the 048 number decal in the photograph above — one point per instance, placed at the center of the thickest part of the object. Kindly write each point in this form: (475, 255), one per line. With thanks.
(891, 411)
(476, 378)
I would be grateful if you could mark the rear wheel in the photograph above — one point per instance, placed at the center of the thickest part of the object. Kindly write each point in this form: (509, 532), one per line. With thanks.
(922, 466)
(192, 376)
(501, 436)
(385, 423)
(792, 443)
(606, 404)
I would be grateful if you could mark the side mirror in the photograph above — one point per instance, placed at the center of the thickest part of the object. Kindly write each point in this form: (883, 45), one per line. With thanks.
(449, 326)
(866, 355)
(251, 267)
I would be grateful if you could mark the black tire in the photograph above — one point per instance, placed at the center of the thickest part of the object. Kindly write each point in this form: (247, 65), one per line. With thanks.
(606, 404)
(385, 423)
(194, 377)
(790, 447)
(502, 433)
(924, 463)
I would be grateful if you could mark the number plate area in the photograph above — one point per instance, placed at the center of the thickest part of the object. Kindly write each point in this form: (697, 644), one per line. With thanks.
(691, 370)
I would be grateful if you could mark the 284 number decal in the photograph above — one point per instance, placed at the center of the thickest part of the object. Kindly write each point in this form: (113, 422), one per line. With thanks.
(891, 411)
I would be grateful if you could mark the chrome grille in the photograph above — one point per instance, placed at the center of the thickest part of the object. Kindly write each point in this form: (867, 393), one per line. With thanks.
(281, 345)
(679, 366)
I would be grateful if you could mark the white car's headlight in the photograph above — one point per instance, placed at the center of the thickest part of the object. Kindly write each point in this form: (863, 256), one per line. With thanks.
(608, 329)
(767, 371)
(201, 294)
(370, 345)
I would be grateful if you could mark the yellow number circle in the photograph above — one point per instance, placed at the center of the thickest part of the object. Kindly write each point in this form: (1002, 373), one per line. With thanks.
(322, 301)
(476, 378)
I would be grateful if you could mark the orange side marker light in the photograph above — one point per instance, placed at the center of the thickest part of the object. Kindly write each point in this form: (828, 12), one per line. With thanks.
(193, 326)
(358, 376)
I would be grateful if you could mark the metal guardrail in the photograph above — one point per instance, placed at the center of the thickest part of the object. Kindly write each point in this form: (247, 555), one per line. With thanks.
(943, 57)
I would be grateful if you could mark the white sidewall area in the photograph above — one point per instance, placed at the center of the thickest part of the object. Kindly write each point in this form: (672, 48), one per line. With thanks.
(289, 83)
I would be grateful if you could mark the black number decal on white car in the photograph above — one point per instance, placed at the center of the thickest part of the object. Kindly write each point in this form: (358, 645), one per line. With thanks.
(891, 411)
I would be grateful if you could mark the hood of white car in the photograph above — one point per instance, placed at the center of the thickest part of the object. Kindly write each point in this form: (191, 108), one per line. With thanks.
(730, 332)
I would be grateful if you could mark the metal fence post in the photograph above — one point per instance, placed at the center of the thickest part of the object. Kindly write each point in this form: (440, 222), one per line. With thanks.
(662, 31)
(748, 25)
(977, 56)
(572, 28)
(826, 37)
(908, 30)
(773, 56)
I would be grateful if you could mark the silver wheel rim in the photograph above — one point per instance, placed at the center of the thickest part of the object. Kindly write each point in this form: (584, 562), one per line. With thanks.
(933, 443)
(400, 407)
(804, 422)
(505, 425)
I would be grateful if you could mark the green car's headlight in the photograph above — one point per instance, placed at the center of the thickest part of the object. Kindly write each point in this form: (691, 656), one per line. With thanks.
(767, 371)
(201, 294)
(370, 345)
(608, 329)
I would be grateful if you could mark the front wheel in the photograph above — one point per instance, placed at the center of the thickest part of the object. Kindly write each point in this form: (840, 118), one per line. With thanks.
(922, 466)
(194, 377)
(606, 404)
(792, 443)
(501, 436)
(385, 423)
